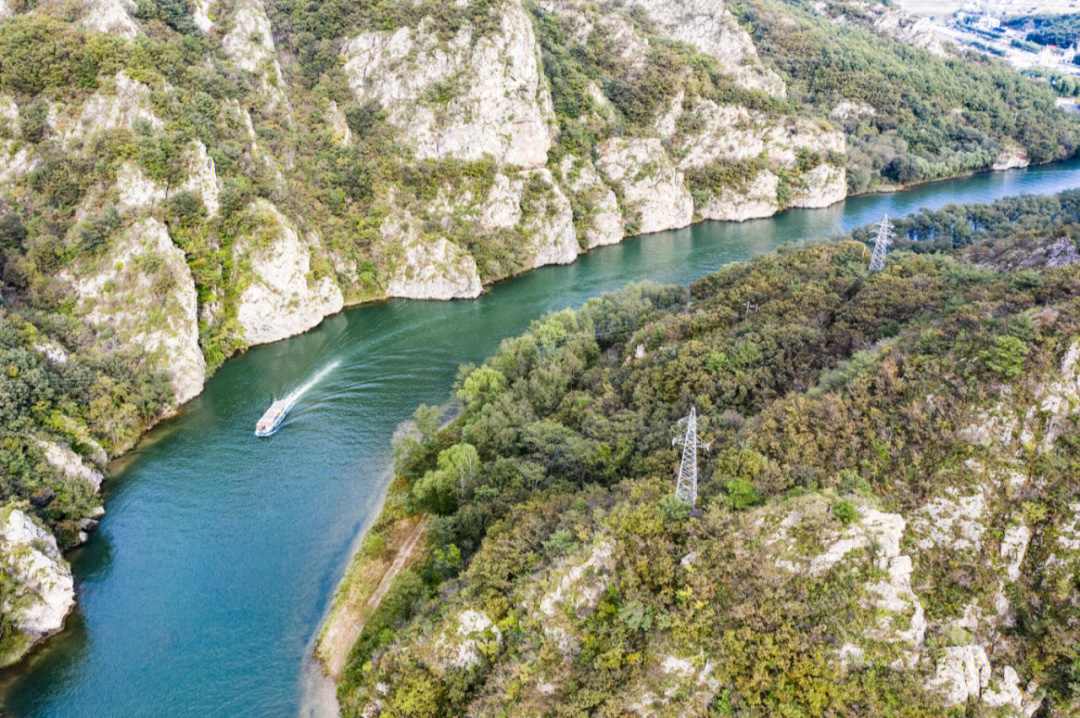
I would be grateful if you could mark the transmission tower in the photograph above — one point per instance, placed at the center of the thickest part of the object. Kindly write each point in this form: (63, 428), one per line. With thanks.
(881, 245)
(686, 488)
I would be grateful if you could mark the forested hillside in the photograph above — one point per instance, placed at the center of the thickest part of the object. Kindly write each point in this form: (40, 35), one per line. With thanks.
(888, 513)
(181, 180)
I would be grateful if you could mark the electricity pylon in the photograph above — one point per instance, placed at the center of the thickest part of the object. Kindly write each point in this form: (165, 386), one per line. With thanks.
(686, 488)
(881, 245)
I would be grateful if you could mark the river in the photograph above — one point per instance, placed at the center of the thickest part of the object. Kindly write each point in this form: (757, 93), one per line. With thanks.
(202, 589)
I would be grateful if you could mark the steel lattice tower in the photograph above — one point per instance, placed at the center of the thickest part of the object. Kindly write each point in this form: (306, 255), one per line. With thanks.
(881, 245)
(686, 488)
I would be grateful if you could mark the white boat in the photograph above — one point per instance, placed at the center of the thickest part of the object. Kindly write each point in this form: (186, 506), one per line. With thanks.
(272, 419)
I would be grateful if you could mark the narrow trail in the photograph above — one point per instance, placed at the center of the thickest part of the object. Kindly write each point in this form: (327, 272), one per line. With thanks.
(346, 623)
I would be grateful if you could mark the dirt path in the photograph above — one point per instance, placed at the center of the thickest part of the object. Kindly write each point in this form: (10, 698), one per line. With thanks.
(347, 619)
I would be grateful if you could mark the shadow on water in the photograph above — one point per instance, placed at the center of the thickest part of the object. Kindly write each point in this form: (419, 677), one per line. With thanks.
(203, 586)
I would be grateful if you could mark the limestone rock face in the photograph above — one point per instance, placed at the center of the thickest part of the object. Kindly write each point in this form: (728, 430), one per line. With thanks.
(550, 225)
(15, 161)
(655, 197)
(251, 40)
(736, 134)
(9, 113)
(5, 10)
(533, 204)
(200, 13)
(280, 301)
(708, 133)
(202, 179)
(135, 190)
(428, 268)
(337, 122)
(822, 186)
(44, 585)
(110, 16)
(709, 26)
(890, 21)
(605, 223)
(465, 98)
(250, 44)
(962, 673)
(142, 298)
(129, 104)
(1011, 158)
(70, 466)
(758, 199)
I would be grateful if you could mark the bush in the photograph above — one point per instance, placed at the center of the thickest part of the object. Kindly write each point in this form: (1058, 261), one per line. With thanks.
(674, 510)
(844, 512)
(741, 495)
(1006, 357)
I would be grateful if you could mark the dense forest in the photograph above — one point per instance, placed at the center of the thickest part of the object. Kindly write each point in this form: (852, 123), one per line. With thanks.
(1060, 30)
(933, 117)
(562, 576)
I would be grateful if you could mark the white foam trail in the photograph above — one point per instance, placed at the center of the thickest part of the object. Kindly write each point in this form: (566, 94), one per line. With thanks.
(291, 399)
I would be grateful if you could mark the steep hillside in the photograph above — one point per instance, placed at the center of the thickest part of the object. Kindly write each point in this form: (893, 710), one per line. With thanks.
(180, 181)
(887, 517)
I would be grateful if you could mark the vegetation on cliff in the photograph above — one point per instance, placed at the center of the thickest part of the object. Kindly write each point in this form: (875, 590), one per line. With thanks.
(891, 492)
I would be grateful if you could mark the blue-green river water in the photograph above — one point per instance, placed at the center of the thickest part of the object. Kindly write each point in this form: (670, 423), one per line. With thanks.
(203, 587)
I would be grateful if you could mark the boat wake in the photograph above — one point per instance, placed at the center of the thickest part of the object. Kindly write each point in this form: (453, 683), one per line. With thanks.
(273, 417)
(294, 396)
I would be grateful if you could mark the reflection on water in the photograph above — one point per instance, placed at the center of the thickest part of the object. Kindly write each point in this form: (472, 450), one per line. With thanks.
(203, 587)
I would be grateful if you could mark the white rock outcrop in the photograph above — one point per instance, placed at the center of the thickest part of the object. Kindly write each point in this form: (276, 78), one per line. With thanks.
(534, 205)
(549, 225)
(200, 13)
(15, 161)
(202, 179)
(709, 26)
(338, 124)
(5, 10)
(890, 21)
(1007, 693)
(9, 114)
(654, 193)
(134, 190)
(279, 300)
(250, 44)
(951, 521)
(820, 187)
(142, 298)
(1014, 547)
(756, 200)
(605, 223)
(113, 17)
(465, 98)
(1011, 158)
(69, 465)
(128, 105)
(962, 673)
(427, 268)
(581, 585)
(45, 590)
(461, 648)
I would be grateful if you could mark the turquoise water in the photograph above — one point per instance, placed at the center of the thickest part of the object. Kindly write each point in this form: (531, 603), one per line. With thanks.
(200, 592)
